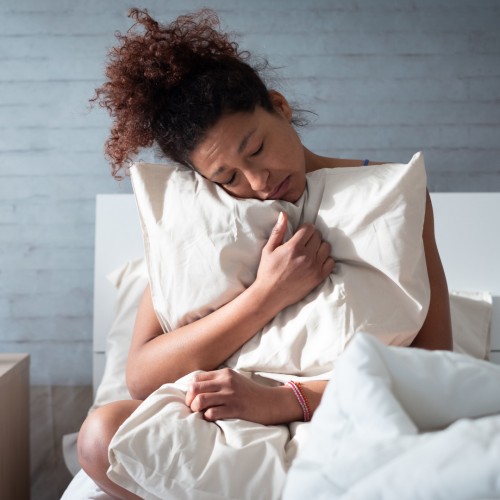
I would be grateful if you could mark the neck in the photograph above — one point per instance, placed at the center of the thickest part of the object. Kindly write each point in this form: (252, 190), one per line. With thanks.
(316, 162)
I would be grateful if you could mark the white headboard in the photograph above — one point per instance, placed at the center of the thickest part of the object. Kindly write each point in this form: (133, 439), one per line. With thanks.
(118, 239)
(467, 232)
(467, 227)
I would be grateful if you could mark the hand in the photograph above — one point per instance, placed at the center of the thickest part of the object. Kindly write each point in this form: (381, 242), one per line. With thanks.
(223, 394)
(289, 271)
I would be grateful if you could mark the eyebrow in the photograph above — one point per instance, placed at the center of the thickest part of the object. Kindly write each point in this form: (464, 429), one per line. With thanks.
(244, 141)
(241, 148)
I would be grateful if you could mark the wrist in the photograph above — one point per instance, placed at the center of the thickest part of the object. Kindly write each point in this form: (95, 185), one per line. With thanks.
(265, 300)
(302, 399)
(284, 406)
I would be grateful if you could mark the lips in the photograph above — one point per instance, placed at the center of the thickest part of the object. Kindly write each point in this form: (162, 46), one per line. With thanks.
(279, 190)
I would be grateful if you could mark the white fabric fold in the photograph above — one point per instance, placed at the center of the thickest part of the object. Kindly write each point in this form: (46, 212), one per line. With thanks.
(403, 423)
(166, 451)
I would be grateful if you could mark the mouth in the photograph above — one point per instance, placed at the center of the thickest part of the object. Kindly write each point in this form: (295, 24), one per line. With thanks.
(279, 190)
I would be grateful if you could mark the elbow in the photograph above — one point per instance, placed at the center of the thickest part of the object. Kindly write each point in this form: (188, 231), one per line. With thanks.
(136, 386)
(142, 379)
(135, 390)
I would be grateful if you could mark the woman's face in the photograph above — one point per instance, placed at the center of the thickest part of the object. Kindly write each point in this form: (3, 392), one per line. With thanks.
(254, 155)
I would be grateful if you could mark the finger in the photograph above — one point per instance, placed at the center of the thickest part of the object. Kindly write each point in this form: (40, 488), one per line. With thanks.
(218, 413)
(323, 251)
(277, 234)
(328, 266)
(207, 400)
(303, 234)
(201, 376)
(201, 382)
(313, 243)
(196, 388)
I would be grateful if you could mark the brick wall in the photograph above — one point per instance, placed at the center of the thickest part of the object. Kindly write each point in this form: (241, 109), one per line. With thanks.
(386, 78)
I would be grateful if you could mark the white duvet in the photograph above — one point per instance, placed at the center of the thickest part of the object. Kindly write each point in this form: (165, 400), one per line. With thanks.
(403, 424)
(394, 423)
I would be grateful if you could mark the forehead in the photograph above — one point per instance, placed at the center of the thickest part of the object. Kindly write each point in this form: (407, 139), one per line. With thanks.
(228, 137)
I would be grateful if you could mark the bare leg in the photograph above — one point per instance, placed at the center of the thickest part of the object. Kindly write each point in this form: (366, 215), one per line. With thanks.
(93, 441)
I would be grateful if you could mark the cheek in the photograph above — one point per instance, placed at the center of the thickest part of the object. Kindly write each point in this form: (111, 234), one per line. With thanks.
(295, 151)
(242, 192)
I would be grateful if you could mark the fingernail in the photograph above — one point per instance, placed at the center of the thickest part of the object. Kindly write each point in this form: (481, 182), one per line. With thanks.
(280, 218)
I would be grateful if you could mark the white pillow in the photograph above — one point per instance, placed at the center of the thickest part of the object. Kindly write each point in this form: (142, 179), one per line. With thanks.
(372, 217)
(470, 322)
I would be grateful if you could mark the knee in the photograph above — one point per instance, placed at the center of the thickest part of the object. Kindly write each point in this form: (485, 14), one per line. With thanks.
(97, 431)
(94, 438)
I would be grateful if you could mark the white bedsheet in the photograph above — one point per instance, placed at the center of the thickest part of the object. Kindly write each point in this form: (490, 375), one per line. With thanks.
(82, 487)
(403, 423)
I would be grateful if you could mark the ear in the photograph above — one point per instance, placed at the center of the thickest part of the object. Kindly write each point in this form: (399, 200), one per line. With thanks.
(280, 104)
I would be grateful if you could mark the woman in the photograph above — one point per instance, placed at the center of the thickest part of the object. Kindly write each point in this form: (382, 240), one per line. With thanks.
(188, 89)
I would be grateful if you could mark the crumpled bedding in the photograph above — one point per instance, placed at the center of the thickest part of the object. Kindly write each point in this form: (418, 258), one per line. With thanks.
(403, 423)
(165, 451)
(394, 423)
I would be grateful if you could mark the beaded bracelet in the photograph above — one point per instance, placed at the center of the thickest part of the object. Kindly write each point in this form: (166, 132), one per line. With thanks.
(301, 398)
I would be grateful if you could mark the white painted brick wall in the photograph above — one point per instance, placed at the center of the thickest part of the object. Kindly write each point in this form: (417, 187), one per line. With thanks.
(385, 77)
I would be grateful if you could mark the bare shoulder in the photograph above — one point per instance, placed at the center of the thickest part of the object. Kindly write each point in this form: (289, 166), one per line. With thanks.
(348, 162)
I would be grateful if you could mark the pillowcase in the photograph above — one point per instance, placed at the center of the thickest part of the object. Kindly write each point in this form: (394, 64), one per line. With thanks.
(371, 216)
(470, 317)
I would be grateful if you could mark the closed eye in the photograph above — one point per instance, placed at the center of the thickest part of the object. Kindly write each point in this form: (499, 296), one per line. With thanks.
(258, 151)
(230, 180)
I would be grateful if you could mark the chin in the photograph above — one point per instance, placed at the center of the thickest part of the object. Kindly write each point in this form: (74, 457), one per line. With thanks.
(296, 194)
(293, 197)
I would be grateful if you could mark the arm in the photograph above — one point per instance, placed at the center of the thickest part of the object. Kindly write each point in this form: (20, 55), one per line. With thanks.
(287, 272)
(436, 330)
(223, 394)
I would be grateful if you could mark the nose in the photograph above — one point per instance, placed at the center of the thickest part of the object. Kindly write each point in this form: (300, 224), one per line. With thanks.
(257, 178)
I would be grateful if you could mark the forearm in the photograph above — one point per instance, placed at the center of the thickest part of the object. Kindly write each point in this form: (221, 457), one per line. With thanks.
(201, 345)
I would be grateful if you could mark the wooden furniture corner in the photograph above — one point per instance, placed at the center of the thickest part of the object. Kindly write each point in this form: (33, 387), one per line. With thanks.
(14, 427)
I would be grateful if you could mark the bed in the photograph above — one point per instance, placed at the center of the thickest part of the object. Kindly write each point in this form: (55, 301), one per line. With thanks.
(468, 236)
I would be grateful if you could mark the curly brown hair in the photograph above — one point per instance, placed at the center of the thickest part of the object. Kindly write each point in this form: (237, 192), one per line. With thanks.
(167, 85)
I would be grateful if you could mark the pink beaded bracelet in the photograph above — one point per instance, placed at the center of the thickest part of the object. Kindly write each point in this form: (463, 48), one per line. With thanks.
(302, 399)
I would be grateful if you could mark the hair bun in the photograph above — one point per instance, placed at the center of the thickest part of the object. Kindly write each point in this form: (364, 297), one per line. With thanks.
(174, 51)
